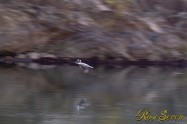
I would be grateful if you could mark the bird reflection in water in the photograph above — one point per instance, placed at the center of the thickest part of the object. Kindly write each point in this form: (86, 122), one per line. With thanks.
(82, 104)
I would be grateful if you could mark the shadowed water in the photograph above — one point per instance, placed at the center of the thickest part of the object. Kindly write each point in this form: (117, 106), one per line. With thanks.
(66, 95)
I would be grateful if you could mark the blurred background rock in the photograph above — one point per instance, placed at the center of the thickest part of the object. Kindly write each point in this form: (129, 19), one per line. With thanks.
(120, 29)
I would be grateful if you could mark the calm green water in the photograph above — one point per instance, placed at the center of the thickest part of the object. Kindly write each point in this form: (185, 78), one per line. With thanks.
(104, 95)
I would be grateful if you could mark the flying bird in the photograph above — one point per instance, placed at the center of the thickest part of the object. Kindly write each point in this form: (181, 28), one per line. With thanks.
(85, 67)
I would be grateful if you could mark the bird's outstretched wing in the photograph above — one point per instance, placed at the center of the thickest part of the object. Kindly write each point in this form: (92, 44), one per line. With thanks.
(86, 70)
(81, 67)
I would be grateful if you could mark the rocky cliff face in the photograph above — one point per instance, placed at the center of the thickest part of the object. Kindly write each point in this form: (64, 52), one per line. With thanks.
(154, 30)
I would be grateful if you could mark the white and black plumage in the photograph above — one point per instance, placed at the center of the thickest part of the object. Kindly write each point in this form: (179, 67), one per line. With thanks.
(85, 67)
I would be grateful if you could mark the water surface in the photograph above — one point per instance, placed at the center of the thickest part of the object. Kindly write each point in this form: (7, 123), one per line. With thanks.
(105, 95)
